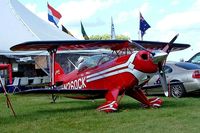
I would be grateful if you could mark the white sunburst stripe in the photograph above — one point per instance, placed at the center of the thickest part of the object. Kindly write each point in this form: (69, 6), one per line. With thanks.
(108, 106)
(155, 100)
(108, 70)
(139, 75)
(105, 75)
(122, 68)
(130, 60)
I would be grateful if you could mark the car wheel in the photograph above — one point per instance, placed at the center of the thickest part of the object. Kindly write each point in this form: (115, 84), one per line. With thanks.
(177, 90)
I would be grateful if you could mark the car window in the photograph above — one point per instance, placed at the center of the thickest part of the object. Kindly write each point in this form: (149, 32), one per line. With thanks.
(187, 66)
(195, 58)
(167, 69)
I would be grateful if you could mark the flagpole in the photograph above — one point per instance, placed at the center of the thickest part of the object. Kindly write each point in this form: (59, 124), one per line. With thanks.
(139, 35)
(139, 32)
(113, 36)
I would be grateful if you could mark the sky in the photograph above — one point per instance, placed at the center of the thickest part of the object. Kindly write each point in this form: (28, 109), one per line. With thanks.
(166, 18)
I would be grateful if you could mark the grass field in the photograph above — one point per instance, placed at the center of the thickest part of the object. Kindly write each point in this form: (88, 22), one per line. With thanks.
(37, 114)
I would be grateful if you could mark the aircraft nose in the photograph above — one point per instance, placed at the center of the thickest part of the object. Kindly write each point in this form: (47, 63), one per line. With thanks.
(159, 56)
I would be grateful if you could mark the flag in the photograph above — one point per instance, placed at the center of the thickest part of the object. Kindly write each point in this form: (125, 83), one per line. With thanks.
(112, 30)
(66, 31)
(84, 33)
(143, 25)
(53, 15)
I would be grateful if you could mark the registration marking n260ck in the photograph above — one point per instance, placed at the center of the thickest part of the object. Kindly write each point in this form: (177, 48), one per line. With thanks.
(76, 84)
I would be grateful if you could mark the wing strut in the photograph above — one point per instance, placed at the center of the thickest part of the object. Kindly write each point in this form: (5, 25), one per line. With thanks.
(52, 53)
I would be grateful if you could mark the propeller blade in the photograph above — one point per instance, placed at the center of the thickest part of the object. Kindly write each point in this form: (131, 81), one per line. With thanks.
(163, 80)
(169, 46)
(175, 37)
(143, 48)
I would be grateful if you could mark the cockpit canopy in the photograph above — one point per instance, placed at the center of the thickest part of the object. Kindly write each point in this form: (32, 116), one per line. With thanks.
(94, 61)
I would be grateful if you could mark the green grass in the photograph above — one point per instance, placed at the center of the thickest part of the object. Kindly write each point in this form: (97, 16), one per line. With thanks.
(37, 114)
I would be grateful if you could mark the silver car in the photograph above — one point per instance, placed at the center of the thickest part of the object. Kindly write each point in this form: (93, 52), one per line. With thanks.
(182, 77)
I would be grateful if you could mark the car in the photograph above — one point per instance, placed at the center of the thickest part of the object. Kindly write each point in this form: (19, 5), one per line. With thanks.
(195, 59)
(182, 78)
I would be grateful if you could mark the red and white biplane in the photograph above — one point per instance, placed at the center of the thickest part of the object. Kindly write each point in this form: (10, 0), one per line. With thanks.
(106, 76)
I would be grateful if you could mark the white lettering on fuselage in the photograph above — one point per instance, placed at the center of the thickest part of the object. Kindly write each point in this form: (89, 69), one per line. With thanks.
(77, 84)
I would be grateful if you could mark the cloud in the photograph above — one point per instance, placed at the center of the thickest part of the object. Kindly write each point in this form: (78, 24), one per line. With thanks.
(175, 2)
(181, 20)
(187, 23)
(144, 8)
(31, 7)
(123, 16)
(74, 11)
(126, 15)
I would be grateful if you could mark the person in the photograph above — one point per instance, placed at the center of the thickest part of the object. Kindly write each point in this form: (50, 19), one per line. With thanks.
(80, 61)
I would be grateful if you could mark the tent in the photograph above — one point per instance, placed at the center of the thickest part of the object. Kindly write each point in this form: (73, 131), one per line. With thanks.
(18, 25)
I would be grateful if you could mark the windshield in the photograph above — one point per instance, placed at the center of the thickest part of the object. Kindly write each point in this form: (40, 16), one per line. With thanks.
(94, 61)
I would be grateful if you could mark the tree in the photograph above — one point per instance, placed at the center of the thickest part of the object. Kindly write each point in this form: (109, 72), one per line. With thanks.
(107, 37)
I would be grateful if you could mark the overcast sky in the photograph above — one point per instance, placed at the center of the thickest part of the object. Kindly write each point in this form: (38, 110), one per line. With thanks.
(166, 18)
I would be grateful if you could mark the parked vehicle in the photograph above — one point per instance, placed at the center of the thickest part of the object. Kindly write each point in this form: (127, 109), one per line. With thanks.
(195, 59)
(182, 77)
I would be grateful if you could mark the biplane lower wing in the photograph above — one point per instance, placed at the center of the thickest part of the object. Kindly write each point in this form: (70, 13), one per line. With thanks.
(92, 44)
(77, 94)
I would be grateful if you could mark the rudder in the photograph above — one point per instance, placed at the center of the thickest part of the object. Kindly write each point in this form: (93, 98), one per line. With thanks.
(58, 71)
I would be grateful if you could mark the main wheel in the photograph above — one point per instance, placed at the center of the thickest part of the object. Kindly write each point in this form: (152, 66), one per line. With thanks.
(177, 90)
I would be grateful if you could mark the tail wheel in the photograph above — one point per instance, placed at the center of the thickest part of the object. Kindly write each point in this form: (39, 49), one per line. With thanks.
(177, 90)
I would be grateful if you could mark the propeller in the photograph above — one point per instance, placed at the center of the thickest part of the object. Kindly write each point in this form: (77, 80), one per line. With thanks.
(160, 58)
(162, 75)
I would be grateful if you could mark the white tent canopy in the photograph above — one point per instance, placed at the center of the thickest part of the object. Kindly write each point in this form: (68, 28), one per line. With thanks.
(18, 25)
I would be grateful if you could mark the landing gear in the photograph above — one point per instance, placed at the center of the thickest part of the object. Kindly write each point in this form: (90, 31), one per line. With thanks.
(111, 104)
(53, 97)
(141, 97)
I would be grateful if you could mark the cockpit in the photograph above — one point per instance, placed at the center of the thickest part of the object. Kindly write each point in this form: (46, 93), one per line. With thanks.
(94, 61)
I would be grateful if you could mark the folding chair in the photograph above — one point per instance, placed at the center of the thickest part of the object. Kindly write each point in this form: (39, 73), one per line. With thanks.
(15, 84)
(24, 81)
(45, 79)
(37, 80)
(2, 82)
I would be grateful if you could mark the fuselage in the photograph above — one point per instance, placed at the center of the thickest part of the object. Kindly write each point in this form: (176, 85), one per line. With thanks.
(121, 73)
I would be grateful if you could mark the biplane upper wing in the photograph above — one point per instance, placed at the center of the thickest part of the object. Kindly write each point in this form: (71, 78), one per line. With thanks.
(160, 45)
(92, 44)
(72, 45)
